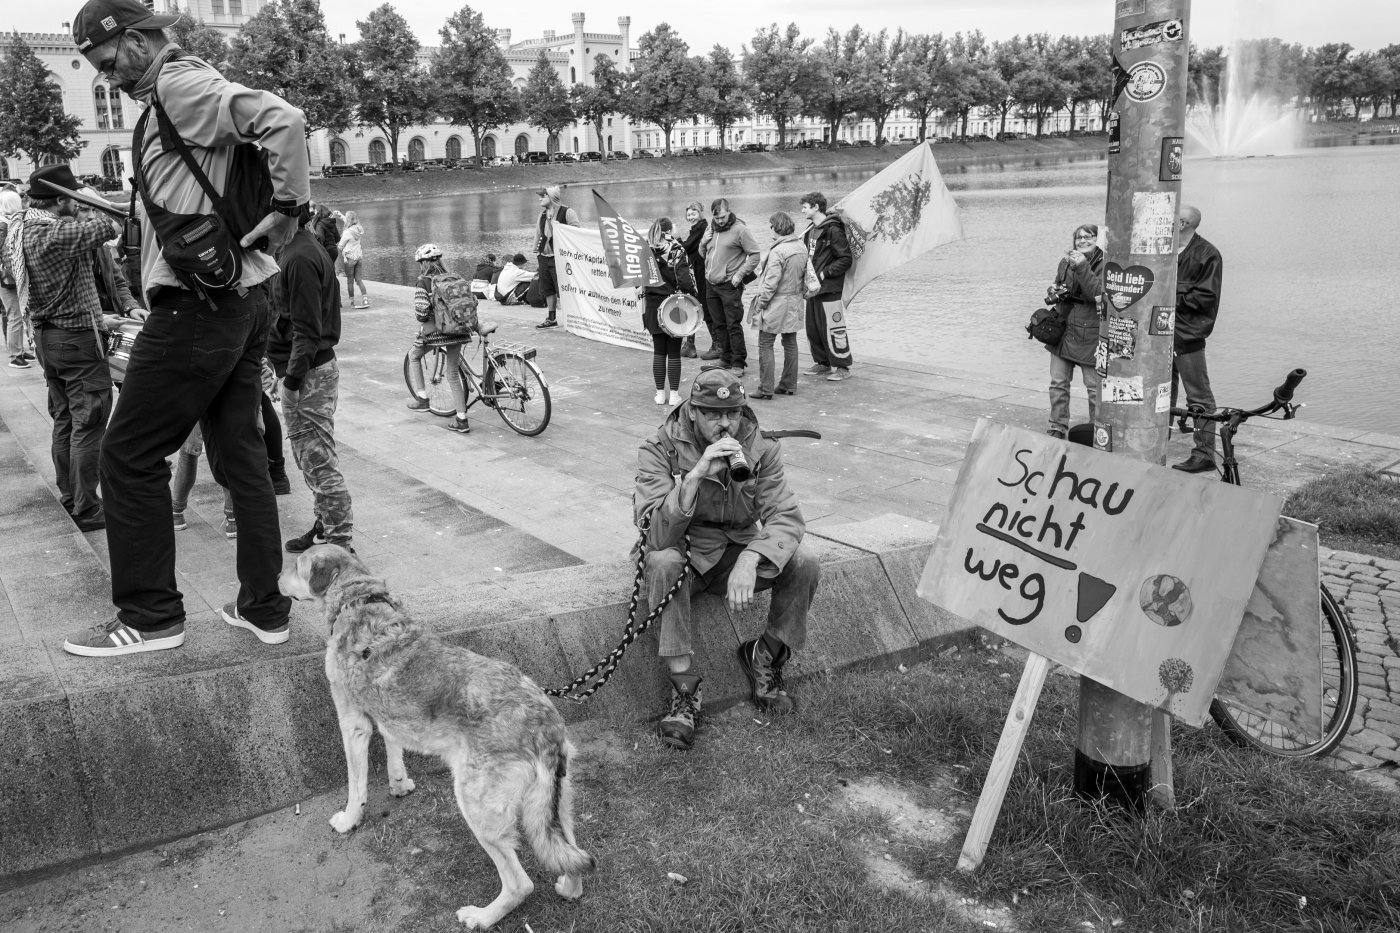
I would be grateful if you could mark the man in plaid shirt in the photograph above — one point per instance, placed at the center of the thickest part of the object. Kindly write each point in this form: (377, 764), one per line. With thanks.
(49, 252)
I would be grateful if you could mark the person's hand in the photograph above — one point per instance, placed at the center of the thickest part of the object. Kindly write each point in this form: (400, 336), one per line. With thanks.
(1076, 258)
(138, 314)
(111, 322)
(737, 281)
(276, 227)
(716, 457)
(741, 582)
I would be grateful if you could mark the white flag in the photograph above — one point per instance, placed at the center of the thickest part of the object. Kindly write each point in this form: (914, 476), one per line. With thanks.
(900, 214)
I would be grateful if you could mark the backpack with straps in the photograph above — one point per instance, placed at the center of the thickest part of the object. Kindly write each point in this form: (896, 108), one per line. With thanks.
(454, 305)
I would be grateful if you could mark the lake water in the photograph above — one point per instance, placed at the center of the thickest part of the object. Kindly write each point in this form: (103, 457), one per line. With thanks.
(1309, 241)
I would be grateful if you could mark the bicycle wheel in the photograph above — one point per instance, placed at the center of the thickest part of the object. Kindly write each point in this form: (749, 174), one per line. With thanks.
(434, 381)
(1338, 698)
(519, 393)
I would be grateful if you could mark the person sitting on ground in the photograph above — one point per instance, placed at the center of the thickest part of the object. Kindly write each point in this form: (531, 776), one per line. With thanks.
(487, 269)
(429, 259)
(1078, 285)
(745, 536)
(513, 282)
(778, 307)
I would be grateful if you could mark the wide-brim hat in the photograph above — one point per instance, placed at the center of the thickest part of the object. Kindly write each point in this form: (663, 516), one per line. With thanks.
(53, 181)
(718, 388)
(100, 20)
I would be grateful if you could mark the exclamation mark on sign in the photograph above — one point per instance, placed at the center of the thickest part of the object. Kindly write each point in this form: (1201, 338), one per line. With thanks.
(1093, 595)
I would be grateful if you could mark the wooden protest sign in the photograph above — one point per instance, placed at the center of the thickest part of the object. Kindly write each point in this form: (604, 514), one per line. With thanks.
(1275, 669)
(1128, 573)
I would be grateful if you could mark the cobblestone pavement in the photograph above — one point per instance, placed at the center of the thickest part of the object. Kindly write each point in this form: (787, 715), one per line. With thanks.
(1369, 590)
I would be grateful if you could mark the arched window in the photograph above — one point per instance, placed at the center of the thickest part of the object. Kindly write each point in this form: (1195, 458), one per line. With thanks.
(575, 144)
(112, 163)
(338, 153)
(488, 147)
(552, 146)
(454, 147)
(416, 149)
(522, 144)
(610, 149)
(99, 104)
(377, 152)
(573, 75)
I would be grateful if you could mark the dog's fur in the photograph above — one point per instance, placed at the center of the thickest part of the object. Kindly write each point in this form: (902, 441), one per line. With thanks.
(504, 741)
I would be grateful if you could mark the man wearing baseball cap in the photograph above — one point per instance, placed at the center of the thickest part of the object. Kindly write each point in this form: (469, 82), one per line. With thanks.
(553, 211)
(709, 474)
(50, 253)
(198, 358)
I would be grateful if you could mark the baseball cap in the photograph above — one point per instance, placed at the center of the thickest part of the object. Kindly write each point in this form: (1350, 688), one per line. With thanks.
(717, 388)
(100, 20)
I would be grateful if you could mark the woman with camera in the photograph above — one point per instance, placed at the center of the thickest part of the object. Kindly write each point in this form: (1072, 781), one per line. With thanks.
(1078, 285)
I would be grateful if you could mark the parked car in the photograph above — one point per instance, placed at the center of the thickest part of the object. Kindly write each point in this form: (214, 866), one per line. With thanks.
(982, 137)
(332, 171)
(590, 156)
(864, 144)
(643, 154)
(843, 144)
(619, 155)
(563, 157)
(810, 144)
(372, 168)
(536, 158)
(753, 147)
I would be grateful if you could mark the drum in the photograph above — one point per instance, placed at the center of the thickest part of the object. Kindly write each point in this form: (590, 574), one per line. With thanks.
(679, 315)
(119, 348)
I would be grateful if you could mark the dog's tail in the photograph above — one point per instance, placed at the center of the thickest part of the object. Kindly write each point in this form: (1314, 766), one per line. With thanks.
(548, 813)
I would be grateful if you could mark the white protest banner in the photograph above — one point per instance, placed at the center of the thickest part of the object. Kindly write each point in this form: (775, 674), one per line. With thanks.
(1129, 573)
(898, 215)
(592, 307)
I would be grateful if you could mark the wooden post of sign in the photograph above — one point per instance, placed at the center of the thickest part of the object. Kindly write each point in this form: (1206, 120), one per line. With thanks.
(1146, 129)
(1013, 736)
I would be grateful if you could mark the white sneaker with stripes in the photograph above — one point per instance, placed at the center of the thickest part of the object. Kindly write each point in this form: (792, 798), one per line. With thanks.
(116, 637)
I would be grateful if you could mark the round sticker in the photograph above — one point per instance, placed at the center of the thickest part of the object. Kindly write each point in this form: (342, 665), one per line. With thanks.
(1100, 438)
(1145, 81)
(722, 392)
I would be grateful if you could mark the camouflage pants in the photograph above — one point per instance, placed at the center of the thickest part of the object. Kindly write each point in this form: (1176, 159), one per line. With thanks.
(309, 413)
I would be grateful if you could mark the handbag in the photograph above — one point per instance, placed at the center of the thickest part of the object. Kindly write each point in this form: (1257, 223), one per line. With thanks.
(1047, 325)
(810, 283)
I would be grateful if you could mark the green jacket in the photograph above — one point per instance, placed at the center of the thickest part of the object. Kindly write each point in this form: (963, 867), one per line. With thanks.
(762, 514)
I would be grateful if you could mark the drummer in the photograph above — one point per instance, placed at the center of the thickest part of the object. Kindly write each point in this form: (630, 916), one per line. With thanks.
(677, 279)
(114, 295)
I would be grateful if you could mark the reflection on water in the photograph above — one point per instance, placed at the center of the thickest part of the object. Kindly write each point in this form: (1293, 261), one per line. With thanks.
(1306, 240)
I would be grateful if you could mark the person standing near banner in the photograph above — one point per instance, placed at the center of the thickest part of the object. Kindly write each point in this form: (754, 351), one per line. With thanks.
(695, 216)
(553, 211)
(829, 255)
(731, 256)
(675, 277)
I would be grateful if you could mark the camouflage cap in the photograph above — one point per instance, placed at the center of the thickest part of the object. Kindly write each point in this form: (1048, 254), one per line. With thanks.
(717, 388)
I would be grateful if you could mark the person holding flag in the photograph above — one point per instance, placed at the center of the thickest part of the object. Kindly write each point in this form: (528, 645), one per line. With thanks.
(829, 258)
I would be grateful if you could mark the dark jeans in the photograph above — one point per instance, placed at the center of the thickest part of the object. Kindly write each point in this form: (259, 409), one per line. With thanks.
(80, 399)
(192, 364)
(725, 303)
(1190, 369)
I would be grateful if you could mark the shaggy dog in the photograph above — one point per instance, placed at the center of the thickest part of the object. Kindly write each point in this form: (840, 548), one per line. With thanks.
(504, 741)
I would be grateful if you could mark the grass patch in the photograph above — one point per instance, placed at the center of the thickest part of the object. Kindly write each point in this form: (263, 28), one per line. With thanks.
(1355, 509)
(758, 819)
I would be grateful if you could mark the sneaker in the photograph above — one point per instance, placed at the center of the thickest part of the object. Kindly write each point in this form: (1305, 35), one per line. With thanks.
(817, 370)
(782, 391)
(18, 362)
(116, 637)
(274, 636)
(765, 674)
(674, 399)
(230, 527)
(29, 356)
(95, 520)
(711, 354)
(660, 397)
(418, 405)
(677, 726)
(302, 542)
(547, 322)
(839, 374)
(459, 425)
(1056, 432)
(180, 523)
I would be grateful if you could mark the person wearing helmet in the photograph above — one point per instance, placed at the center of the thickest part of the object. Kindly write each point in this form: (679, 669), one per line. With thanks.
(429, 259)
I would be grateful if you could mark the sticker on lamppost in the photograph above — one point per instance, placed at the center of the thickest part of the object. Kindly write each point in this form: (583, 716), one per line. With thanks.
(1126, 572)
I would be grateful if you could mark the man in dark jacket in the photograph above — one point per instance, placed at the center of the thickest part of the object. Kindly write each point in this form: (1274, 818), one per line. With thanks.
(745, 536)
(1199, 270)
(830, 254)
(301, 349)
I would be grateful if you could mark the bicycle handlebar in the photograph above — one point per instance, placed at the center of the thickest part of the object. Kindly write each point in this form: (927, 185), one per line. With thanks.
(1284, 393)
(1283, 397)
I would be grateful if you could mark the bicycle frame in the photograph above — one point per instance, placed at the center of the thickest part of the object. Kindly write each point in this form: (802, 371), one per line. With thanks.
(472, 378)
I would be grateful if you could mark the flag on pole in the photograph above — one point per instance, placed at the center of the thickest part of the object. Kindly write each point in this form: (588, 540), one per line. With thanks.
(898, 215)
(628, 254)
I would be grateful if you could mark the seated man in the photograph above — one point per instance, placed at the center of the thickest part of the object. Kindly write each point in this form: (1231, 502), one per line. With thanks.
(745, 536)
(513, 281)
(487, 269)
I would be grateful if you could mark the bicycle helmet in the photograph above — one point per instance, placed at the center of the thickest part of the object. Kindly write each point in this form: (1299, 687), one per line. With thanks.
(427, 251)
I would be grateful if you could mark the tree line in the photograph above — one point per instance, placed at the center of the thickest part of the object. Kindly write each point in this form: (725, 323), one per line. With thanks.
(379, 80)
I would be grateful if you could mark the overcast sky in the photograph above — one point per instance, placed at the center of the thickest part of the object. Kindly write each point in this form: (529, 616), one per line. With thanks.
(1366, 24)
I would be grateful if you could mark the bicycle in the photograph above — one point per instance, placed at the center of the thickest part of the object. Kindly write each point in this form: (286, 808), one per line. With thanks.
(1337, 639)
(509, 381)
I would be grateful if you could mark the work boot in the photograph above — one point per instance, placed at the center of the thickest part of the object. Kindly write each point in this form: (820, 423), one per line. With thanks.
(300, 543)
(688, 348)
(677, 727)
(765, 674)
(713, 353)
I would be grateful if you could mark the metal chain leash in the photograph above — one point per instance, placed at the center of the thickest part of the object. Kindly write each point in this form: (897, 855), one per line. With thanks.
(604, 669)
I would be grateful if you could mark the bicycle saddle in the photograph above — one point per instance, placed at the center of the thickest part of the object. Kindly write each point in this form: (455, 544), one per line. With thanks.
(486, 330)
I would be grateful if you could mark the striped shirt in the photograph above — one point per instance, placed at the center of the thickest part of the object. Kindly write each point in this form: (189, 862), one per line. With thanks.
(58, 256)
